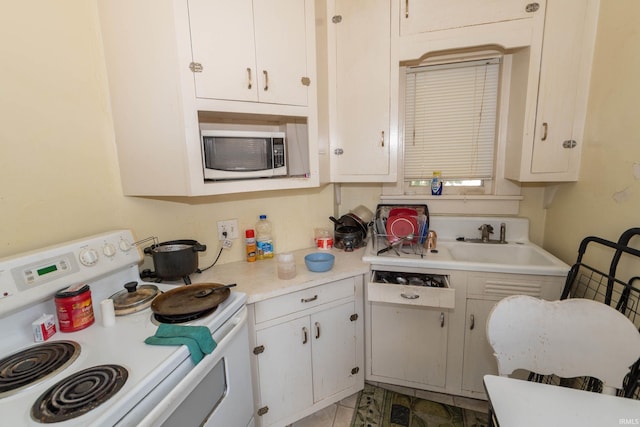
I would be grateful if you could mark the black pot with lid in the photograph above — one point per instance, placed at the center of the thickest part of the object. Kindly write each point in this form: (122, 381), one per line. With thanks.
(349, 233)
(174, 260)
(133, 298)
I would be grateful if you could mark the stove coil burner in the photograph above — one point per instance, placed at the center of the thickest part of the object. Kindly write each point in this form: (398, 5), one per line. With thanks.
(184, 317)
(34, 364)
(79, 393)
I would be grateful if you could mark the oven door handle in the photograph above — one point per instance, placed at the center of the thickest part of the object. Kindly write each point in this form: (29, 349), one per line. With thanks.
(174, 398)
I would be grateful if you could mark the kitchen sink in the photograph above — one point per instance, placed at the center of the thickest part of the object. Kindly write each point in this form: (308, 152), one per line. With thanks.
(514, 254)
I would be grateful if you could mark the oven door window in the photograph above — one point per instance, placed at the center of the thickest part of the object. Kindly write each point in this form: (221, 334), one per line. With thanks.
(203, 400)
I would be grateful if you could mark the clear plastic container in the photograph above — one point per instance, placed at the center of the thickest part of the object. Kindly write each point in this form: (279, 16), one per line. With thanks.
(264, 239)
(286, 266)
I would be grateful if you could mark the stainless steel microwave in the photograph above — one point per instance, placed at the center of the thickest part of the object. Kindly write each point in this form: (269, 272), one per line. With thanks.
(233, 154)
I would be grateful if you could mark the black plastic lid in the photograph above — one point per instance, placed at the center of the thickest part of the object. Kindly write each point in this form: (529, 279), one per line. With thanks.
(72, 291)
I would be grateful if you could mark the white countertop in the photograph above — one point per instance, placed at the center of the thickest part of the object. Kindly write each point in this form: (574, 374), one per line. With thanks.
(259, 280)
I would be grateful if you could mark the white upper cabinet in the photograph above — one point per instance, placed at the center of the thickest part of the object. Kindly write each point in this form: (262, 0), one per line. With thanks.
(552, 151)
(419, 16)
(263, 44)
(362, 145)
(173, 65)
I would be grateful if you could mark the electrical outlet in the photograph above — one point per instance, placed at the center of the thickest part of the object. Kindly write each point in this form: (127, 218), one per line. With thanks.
(229, 226)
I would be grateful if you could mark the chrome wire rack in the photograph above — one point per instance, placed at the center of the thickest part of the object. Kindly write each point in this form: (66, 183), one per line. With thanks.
(605, 271)
(385, 240)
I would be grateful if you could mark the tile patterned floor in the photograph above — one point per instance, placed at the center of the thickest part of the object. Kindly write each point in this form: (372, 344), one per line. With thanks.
(340, 414)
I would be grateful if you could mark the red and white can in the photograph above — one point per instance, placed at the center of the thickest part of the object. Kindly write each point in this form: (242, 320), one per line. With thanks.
(74, 308)
(325, 243)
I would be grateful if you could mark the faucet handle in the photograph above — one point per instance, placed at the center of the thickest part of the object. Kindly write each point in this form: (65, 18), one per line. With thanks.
(487, 227)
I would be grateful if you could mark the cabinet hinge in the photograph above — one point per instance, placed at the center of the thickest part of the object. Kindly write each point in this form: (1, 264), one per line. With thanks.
(336, 19)
(353, 317)
(196, 67)
(355, 370)
(263, 410)
(259, 349)
(532, 7)
(570, 143)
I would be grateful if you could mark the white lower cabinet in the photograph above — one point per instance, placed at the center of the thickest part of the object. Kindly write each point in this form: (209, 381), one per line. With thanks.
(409, 343)
(478, 359)
(308, 350)
(484, 290)
(437, 340)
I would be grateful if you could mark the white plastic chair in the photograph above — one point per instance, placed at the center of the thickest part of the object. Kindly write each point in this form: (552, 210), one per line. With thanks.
(569, 338)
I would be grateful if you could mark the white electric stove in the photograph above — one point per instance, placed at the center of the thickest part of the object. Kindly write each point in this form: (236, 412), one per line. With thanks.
(156, 385)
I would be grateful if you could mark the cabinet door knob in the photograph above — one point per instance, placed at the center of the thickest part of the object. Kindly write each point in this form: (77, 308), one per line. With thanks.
(196, 67)
(406, 8)
(266, 80)
(317, 330)
(442, 319)
(382, 139)
(472, 321)
(305, 335)
(249, 81)
(569, 143)
(338, 151)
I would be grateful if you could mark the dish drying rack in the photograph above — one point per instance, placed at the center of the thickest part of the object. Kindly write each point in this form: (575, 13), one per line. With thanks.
(607, 272)
(391, 244)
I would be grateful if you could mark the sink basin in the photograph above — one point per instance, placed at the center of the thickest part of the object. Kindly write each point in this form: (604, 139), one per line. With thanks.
(511, 254)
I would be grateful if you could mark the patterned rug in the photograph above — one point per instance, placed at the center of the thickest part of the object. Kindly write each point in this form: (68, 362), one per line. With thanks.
(377, 407)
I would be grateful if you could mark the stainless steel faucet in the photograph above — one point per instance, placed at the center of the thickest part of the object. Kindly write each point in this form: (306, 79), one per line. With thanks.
(485, 230)
(503, 233)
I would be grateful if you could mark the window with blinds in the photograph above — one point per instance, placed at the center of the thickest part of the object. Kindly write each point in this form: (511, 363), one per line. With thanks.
(450, 121)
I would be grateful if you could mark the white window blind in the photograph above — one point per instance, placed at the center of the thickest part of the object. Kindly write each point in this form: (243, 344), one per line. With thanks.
(450, 120)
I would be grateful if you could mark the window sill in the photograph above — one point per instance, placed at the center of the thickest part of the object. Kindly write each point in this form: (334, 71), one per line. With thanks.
(461, 204)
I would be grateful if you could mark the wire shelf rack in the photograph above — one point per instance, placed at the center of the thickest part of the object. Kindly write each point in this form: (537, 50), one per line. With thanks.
(607, 272)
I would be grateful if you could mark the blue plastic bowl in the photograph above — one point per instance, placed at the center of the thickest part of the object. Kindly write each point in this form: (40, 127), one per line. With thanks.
(319, 261)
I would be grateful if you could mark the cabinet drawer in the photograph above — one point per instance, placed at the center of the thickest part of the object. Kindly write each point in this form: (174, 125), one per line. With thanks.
(411, 295)
(302, 300)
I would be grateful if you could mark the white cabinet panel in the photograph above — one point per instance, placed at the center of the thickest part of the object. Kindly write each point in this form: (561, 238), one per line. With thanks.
(222, 41)
(334, 350)
(361, 146)
(478, 355)
(418, 16)
(250, 51)
(409, 343)
(551, 151)
(281, 51)
(362, 88)
(560, 81)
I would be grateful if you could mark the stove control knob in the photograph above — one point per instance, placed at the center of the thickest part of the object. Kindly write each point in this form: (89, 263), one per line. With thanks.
(109, 250)
(125, 246)
(88, 257)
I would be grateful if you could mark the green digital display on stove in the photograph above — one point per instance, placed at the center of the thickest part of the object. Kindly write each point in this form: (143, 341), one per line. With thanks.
(47, 270)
